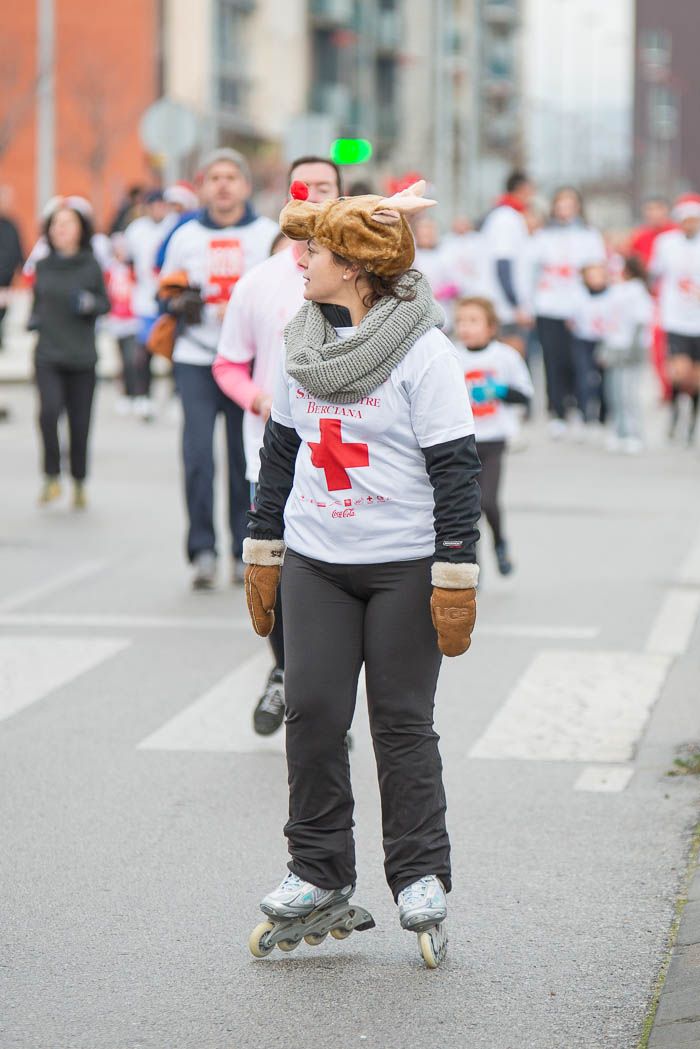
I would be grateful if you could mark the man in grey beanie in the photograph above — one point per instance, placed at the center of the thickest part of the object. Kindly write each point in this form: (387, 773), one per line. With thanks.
(214, 248)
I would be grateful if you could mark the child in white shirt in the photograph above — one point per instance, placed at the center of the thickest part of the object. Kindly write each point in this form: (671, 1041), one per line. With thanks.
(497, 379)
(588, 320)
(622, 353)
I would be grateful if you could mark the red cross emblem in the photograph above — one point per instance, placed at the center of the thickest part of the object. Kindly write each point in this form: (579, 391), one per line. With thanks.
(332, 456)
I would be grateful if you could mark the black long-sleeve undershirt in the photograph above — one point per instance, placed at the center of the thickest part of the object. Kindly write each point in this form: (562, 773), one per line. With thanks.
(453, 469)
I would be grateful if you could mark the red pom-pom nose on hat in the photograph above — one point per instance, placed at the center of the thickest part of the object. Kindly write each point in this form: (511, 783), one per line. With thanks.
(299, 190)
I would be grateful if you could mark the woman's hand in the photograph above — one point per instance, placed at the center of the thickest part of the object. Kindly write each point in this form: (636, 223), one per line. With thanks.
(262, 406)
(263, 559)
(453, 605)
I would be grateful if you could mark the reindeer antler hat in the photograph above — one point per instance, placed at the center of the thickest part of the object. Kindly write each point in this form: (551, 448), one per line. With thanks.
(370, 230)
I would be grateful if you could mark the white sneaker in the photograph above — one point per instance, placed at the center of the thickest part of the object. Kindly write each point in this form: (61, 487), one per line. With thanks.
(556, 429)
(295, 898)
(422, 904)
(144, 408)
(204, 571)
(577, 428)
(632, 446)
(123, 406)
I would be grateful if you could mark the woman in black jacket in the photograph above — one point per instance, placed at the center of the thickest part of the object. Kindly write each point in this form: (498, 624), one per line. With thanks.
(69, 295)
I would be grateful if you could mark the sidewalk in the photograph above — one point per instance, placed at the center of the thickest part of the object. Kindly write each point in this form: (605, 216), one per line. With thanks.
(677, 1020)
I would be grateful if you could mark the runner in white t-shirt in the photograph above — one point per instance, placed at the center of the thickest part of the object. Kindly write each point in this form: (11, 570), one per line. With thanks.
(558, 254)
(142, 238)
(676, 261)
(497, 379)
(436, 264)
(214, 249)
(505, 237)
(368, 480)
(251, 348)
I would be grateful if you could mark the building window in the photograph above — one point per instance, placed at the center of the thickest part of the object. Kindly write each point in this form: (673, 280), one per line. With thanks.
(232, 49)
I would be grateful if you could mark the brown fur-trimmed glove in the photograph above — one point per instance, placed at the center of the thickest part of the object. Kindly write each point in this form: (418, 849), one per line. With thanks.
(263, 560)
(453, 605)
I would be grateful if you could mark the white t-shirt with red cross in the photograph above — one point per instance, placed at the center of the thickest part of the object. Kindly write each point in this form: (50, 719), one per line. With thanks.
(121, 285)
(676, 260)
(497, 364)
(214, 260)
(361, 492)
(263, 303)
(558, 254)
(589, 314)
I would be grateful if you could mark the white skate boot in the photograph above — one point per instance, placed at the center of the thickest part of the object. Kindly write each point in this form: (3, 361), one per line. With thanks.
(300, 910)
(423, 909)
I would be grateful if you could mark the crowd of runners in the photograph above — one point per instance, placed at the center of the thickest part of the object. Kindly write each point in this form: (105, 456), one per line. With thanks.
(369, 369)
(525, 293)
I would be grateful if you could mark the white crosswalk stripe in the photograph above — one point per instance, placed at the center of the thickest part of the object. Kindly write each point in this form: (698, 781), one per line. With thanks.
(221, 719)
(31, 668)
(576, 706)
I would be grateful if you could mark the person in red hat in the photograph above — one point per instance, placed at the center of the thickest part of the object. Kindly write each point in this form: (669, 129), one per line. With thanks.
(656, 216)
(676, 262)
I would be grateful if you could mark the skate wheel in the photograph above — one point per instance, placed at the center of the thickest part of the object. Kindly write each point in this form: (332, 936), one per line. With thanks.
(288, 945)
(255, 944)
(426, 949)
(313, 938)
(340, 933)
(433, 946)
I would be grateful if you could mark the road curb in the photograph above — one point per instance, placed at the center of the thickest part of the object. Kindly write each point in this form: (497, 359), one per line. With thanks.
(673, 1019)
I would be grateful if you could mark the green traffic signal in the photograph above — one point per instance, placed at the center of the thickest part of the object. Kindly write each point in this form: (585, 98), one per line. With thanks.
(351, 151)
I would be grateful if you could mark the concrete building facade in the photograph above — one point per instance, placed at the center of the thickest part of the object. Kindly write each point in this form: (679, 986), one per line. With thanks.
(667, 83)
(434, 86)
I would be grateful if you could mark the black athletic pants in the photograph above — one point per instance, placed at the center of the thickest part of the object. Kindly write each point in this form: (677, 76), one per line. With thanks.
(72, 390)
(337, 617)
(136, 367)
(555, 339)
(491, 456)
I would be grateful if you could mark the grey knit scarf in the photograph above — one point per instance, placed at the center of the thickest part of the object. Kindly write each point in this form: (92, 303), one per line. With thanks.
(345, 370)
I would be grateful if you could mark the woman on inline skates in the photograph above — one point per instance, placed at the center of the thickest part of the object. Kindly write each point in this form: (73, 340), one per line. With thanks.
(368, 493)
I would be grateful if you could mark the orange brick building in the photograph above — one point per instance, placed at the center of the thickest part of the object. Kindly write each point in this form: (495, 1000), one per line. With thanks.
(106, 72)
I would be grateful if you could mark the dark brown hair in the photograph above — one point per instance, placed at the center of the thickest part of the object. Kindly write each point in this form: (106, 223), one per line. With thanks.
(485, 305)
(317, 160)
(382, 287)
(86, 230)
(634, 269)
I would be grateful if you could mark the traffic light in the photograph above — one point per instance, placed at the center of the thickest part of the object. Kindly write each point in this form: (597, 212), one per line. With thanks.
(351, 151)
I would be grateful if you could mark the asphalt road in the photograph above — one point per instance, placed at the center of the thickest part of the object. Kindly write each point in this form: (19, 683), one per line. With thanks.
(141, 819)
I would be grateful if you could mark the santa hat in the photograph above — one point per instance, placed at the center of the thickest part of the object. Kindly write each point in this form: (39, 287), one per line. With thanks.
(370, 230)
(182, 193)
(79, 204)
(687, 207)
